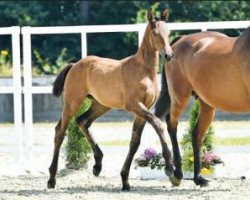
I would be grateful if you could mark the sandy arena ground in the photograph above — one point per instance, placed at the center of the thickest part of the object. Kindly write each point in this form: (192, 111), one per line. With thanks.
(28, 181)
(81, 185)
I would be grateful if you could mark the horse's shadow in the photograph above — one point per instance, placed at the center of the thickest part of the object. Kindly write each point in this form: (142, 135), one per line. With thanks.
(142, 190)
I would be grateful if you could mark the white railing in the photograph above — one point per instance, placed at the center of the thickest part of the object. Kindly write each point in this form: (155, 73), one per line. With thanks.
(27, 32)
(16, 88)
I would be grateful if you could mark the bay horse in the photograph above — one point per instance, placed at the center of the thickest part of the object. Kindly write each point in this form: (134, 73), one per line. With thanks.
(214, 67)
(129, 84)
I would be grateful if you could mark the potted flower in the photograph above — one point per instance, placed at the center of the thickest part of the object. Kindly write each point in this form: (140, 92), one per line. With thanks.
(208, 159)
(208, 162)
(150, 164)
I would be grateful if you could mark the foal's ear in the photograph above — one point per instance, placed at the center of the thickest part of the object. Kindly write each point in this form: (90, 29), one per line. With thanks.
(150, 15)
(164, 16)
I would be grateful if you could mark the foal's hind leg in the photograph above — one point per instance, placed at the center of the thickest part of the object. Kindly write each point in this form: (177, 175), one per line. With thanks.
(141, 111)
(134, 144)
(68, 111)
(84, 121)
(205, 118)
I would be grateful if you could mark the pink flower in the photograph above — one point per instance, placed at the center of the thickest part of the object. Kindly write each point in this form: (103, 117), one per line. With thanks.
(210, 157)
(149, 153)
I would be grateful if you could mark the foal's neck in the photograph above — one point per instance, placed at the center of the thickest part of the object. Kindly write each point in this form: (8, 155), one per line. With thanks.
(148, 55)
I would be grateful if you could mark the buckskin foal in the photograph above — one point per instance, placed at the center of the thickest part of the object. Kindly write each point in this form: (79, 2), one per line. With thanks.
(128, 84)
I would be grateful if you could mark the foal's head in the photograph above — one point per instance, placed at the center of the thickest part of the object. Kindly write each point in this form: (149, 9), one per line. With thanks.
(158, 34)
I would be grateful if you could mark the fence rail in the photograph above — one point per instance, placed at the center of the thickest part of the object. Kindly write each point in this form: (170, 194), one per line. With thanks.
(28, 90)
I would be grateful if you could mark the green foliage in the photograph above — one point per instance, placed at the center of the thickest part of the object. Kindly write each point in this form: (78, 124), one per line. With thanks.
(77, 146)
(187, 139)
(45, 66)
(5, 63)
(113, 45)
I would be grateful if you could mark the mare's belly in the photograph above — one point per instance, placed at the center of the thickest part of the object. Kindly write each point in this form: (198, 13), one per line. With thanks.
(227, 102)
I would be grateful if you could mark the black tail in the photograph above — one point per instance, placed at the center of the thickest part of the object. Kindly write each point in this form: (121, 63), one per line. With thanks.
(59, 82)
(162, 105)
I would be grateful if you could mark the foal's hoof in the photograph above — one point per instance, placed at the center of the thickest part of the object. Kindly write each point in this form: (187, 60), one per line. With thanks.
(51, 184)
(201, 181)
(175, 181)
(125, 187)
(97, 170)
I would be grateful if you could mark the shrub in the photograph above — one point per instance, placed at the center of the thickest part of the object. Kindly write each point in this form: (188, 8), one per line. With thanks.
(206, 151)
(77, 147)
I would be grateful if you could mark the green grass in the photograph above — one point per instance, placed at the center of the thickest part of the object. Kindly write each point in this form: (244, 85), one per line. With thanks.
(115, 143)
(243, 141)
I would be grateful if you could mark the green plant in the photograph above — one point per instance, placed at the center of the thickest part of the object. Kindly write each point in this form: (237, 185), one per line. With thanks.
(77, 147)
(5, 63)
(45, 66)
(188, 158)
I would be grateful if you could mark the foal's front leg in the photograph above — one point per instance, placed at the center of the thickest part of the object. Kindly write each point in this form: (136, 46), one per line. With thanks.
(134, 144)
(141, 110)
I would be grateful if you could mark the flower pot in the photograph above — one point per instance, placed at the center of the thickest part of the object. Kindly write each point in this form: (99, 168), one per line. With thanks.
(216, 172)
(152, 174)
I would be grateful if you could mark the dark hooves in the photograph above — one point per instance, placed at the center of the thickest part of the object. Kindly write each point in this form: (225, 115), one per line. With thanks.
(169, 170)
(175, 181)
(178, 174)
(126, 187)
(51, 184)
(201, 181)
(97, 170)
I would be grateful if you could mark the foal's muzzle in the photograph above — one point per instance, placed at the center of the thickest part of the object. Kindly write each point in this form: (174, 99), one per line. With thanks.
(169, 56)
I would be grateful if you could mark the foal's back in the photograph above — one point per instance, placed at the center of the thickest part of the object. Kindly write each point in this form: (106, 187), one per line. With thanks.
(215, 67)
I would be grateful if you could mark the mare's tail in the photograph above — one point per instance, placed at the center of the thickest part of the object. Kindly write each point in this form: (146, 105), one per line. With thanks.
(60, 79)
(162, 106)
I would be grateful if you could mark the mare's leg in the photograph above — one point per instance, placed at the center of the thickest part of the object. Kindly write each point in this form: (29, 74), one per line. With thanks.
(134, 144)
(205, 118)
(140, 110)
(84, 121)
(69, 110)
(172, 122)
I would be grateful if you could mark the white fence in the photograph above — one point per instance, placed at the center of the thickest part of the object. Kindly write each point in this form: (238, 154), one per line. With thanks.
(16, 88)
(28, 90)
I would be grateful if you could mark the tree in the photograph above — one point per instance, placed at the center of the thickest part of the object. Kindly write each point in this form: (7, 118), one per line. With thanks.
(76, 12)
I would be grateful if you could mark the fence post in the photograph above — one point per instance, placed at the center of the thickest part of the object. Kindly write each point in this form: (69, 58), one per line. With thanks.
(27, 73)
(17, 89)
(84, 44)
(140, 36)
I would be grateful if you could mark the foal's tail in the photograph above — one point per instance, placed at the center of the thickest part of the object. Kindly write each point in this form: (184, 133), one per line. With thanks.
(162, 106)
(60, 79)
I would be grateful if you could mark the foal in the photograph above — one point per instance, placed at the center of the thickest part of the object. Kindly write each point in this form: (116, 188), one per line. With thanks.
(128, 84)
(216, 68)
